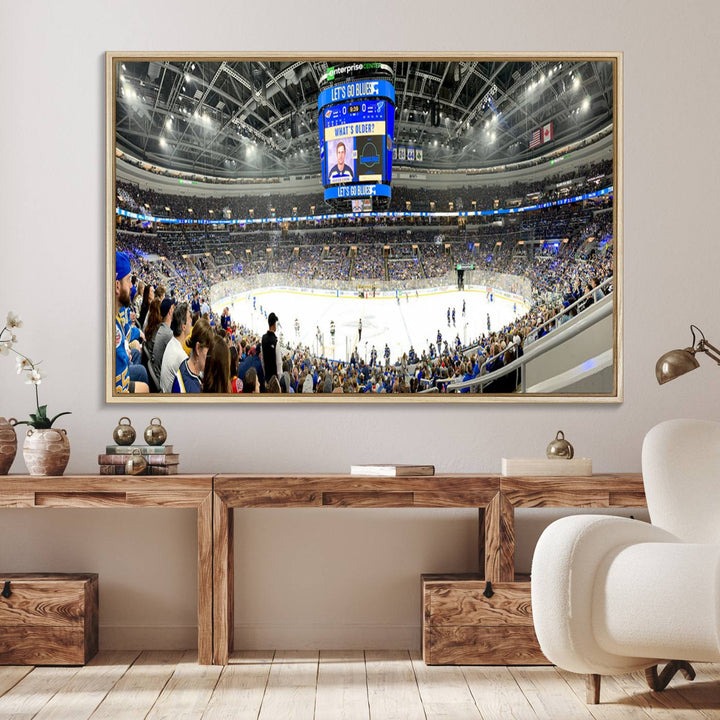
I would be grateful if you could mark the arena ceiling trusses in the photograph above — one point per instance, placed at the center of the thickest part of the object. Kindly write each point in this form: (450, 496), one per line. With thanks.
(240, 118)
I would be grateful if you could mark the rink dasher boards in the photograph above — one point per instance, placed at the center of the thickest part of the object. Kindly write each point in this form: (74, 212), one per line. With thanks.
(414, 320)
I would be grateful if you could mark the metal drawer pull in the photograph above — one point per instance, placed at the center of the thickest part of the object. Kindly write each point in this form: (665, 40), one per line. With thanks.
(488, 592)
(6, 592)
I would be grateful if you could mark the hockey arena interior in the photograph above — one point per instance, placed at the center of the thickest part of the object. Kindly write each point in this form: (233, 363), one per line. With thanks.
(417, 228)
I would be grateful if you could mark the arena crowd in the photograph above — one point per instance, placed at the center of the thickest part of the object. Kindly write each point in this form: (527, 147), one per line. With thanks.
(169, 340)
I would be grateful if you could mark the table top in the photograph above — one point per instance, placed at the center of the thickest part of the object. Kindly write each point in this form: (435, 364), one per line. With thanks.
(456, 490)
(322, 490)
(104, 490)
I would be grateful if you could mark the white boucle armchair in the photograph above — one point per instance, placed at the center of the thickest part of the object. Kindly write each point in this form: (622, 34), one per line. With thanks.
(613, 595)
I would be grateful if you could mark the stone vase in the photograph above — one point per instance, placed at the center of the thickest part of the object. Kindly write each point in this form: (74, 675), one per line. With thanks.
(46, 452)
(8, 444)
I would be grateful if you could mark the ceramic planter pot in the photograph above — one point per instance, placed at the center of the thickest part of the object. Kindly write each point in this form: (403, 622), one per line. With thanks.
(46, 452)
(8, 444)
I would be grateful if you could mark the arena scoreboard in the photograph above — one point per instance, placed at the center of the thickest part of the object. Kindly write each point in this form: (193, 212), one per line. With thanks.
(356, 120)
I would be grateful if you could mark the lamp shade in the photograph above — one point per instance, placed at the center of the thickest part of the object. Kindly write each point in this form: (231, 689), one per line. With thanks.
(675, 363)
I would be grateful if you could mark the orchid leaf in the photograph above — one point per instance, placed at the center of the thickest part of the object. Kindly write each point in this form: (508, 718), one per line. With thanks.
(67, 412)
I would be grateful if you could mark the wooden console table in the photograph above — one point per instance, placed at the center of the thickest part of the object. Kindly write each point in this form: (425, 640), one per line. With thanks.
(215, 498)
(91, 491)
(495, 497)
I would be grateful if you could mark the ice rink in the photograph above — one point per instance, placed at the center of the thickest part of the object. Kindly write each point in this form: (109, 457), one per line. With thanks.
(414, 320)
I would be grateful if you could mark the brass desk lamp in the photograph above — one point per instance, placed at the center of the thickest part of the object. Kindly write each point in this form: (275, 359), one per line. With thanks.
(677, 362)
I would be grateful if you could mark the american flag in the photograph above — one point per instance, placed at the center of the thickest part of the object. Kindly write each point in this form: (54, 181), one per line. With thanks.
(535, 138)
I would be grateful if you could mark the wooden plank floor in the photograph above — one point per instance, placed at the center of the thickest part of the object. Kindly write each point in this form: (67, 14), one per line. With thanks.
(345, 685)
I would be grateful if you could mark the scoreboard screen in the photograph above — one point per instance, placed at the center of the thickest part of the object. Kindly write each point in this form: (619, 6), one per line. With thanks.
(356, 122)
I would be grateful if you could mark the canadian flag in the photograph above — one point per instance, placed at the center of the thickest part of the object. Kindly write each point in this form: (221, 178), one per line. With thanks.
(547, 132)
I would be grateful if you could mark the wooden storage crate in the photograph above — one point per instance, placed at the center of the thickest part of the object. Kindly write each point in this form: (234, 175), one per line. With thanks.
(48, 618)
(461, 626)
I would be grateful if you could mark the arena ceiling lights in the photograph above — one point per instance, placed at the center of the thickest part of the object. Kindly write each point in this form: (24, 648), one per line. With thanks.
(257, 118)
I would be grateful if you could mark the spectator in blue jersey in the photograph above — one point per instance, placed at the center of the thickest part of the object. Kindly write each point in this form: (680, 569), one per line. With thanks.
(341, 171)
(195, 305)
(188, 378)
(123, 329)
(253, 360)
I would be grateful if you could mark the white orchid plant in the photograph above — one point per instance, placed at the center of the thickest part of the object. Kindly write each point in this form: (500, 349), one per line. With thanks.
(25, 366)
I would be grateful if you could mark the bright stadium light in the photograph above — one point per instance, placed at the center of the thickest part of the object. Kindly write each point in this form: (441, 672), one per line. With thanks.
(586, 103)
(576, 82)
(163, 142)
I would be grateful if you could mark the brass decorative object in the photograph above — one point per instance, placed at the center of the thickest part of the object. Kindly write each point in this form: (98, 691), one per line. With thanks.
(560, 448)
(136, 464)
(155, 434)
(124, 434)
(677, 362)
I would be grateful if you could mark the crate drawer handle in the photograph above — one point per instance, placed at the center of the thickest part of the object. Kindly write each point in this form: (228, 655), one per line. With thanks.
(6, 592)
(488, 592)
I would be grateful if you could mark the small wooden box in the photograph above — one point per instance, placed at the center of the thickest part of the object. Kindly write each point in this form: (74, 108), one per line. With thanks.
(461, 626)
(48, 618)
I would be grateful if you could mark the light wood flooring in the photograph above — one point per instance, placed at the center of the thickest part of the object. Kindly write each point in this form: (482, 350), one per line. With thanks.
(349, 685)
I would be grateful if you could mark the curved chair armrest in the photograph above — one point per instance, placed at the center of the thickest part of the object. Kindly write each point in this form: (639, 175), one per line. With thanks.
(565, 563)
(658, 599)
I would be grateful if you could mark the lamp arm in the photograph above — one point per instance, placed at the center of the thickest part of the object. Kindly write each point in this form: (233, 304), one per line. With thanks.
(710, 350)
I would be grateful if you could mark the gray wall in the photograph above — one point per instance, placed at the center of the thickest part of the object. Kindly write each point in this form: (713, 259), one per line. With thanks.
(331, 578)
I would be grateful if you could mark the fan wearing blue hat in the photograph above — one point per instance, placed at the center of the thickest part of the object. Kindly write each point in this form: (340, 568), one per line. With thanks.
(123, 383)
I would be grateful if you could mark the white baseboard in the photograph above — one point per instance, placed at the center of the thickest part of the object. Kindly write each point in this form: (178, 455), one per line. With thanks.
(266, 637)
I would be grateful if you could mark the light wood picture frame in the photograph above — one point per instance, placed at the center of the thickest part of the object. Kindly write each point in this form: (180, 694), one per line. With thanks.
(480, 200)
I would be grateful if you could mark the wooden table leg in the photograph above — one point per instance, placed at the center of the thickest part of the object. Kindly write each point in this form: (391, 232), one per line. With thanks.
(223, 581)
(500, 540)
(205, 580)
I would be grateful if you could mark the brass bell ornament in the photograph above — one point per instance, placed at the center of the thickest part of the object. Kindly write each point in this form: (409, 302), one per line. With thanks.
(560, 448)
(155, 433)
(136, 464)
(124, 433)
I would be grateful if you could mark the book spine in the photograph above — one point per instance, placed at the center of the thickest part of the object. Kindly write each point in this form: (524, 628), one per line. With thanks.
(162, 470)
(418, 471)
(144, 449)
(172, 459)
(112, 469)
(149, 470)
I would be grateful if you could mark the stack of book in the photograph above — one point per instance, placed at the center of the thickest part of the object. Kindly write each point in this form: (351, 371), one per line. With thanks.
(160, 459)
(392, 470)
